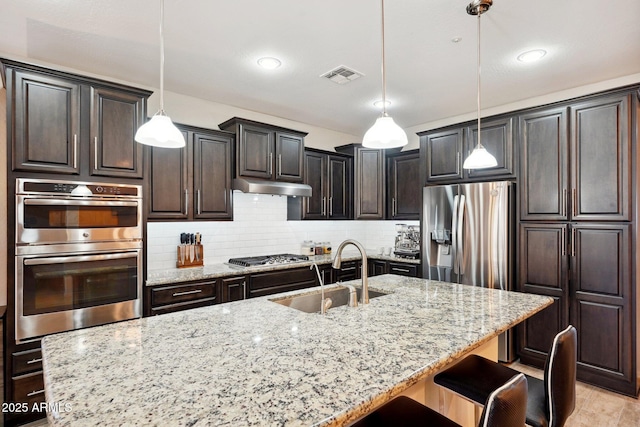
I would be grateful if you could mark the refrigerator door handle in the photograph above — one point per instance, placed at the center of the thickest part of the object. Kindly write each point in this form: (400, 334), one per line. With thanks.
(460, 254)
(454, 232)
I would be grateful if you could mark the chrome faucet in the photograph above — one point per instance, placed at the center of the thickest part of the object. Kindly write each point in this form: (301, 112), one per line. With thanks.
(337, 262)
(325, 304)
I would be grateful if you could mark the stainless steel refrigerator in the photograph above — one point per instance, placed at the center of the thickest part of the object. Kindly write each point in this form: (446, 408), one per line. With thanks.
(468, 235)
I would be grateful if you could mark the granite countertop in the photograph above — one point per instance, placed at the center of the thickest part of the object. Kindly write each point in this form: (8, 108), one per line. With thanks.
(257, 363)
(180, 275)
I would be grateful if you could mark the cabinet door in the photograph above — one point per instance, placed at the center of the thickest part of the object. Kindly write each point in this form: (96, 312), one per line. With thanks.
(255, 152)
(273, 282)
(601, 152)
(403, 187)
(212, 176)
(46, 124)
(315, 207)
(544, 165)
(115, 118)
(289, 153)
(443, 155)
(497, 138)
(369, 184)
(543, 271)
(340, 189)
(233, 288)
(377, 267)
(602, 304)
(168, 182)
(404, 269)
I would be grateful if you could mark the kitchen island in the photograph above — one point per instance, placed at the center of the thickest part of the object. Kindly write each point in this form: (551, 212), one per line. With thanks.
(255, 362)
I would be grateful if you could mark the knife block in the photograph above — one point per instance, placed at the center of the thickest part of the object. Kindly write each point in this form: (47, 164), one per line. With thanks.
(198, 260)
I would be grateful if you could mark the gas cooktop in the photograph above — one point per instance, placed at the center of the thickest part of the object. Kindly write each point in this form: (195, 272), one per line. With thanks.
(267, 260)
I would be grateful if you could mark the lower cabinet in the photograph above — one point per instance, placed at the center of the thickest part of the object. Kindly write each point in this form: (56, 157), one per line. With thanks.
(378, 267)
(273, 282)
(167, 299)
(26, 385)
(233, 288)
(349, 270)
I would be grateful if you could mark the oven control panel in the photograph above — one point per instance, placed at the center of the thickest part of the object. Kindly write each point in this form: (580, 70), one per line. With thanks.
(71, 188)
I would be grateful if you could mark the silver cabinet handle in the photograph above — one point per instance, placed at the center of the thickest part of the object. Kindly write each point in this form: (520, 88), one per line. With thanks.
(574, 195)
(32, 361)
(33, 393)
(324, 206)
(186, 201)
(279, 164)
(573, 242)
(198, 201)
(244, 289)
(564, 202)
(75, 150)
(330, 206)
(95, 151)
(563, 245)
(457, 162)
(394, 208)
(195, 291)
(270, 163)
(404, 270)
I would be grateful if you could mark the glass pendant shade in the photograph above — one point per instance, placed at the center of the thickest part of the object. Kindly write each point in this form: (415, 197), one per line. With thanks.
(384, 133)
(160, 132)
(479, 158)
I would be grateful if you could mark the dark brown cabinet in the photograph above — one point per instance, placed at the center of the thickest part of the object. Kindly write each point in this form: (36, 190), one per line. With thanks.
(377, 267)
(266, 151)
(69, 124)
(273, 282)
(576, 170)
(404, 189)
(193, 182)
(233, 288)
(26, 384)
(330, 178)
(443, 151)
(349, 270)
(170, 298)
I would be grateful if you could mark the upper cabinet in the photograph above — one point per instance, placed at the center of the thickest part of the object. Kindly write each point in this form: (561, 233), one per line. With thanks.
(443, 151)
(266, 151)
(404, 189)
(577, 172)
(330, 177)
(193, 182)
(67, 124)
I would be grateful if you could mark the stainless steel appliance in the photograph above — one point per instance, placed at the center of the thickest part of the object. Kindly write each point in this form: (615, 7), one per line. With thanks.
(407, 241)
(468, 238)
(78, 255)
(267, 259)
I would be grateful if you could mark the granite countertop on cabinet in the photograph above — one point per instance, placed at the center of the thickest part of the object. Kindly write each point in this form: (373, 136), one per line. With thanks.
(181, 275)
(257, 363)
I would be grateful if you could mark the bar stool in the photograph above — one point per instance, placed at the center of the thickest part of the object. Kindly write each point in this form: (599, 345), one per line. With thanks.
(505, 407)
(550, 401)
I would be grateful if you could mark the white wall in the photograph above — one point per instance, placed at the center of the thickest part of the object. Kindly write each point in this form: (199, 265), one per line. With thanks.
(260, 227)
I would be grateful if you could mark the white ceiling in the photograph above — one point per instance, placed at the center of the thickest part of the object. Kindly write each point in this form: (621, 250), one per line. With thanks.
(212, 47)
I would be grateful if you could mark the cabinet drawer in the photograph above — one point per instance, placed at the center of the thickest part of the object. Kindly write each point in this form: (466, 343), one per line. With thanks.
(182, 293)
(170, 308)
(28, 388)
(27, 361)
(273, 282)
(403, 269)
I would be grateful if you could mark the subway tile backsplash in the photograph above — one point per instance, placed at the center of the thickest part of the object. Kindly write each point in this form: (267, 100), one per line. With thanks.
(260, 227)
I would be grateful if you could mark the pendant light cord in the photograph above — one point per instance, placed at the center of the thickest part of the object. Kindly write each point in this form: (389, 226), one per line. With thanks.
(161, 112)
(384, 76)
(479, 72)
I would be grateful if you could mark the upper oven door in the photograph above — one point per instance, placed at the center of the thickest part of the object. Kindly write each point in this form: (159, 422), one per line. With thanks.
(44, 220)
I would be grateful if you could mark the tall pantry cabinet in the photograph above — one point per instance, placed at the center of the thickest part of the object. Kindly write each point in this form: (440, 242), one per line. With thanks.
(578, 233)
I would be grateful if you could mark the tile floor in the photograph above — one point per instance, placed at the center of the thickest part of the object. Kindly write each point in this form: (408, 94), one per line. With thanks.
(596, 407)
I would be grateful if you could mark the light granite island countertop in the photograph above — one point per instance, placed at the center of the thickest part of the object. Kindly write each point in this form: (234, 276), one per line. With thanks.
(258, 363)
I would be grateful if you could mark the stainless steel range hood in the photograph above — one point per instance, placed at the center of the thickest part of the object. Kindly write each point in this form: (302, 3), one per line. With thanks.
(261, 186)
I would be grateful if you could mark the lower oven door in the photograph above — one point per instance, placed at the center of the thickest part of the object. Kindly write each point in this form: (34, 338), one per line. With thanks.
(61, 293)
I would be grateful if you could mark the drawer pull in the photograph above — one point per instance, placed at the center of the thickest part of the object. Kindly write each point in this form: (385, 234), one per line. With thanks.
(32, 361)
(404, 270)
(34, 393)
(348, 269)
(195, 291)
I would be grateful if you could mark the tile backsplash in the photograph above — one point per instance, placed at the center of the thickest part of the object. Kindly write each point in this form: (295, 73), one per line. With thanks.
(260, 227)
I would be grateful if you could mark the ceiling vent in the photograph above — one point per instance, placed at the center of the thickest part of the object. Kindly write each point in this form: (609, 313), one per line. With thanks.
(342, 75)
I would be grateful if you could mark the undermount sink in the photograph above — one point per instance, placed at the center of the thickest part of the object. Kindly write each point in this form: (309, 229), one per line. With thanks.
(310, 303)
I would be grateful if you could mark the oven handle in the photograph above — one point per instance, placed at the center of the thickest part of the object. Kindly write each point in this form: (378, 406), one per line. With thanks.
(66, 202)
(79, 258)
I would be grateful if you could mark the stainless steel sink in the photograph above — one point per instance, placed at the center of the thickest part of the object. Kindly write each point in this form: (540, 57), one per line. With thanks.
(310, 303)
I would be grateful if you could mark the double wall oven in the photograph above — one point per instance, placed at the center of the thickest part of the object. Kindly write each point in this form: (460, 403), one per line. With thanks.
(78, 256)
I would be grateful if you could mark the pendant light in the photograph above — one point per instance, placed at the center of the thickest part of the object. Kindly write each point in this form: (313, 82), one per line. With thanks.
(479, 158)
(160, 130)
(384, 133)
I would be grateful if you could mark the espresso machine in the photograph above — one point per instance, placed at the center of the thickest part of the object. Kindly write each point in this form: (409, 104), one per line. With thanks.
(407, 241)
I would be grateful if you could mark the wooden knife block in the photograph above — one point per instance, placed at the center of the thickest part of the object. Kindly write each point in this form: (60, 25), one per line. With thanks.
(198, 261)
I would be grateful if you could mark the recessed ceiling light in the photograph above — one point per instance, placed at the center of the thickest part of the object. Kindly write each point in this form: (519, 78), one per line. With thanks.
(269, 63)
(378, 104)
(456, 39)
(532, 55)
